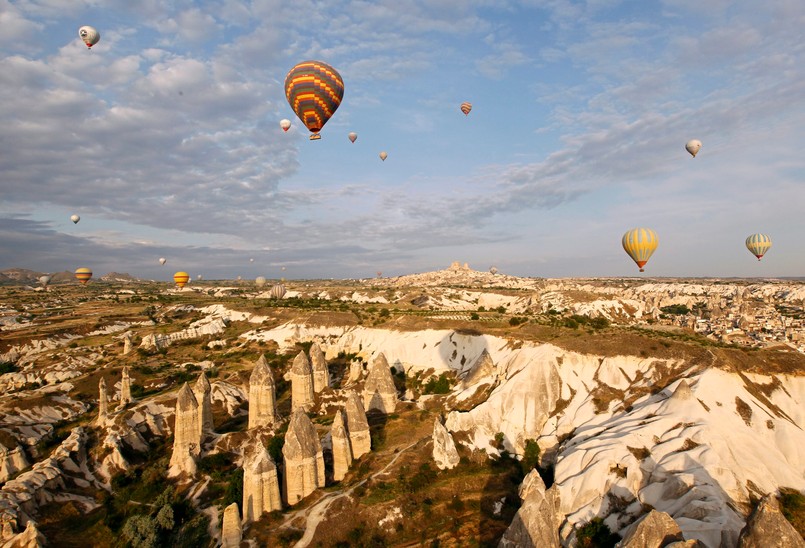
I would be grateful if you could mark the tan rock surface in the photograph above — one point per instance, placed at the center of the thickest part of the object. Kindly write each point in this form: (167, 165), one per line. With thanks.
(232, 532)
(302, 394)
(321, 375)
(186, 434)
(379, 391)
(262, 395)
(342, 450)
(303, 458)
(357, 425)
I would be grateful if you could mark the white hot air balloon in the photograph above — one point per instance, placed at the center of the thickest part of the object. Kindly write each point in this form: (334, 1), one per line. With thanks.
(278, 291)
(163, 260)
(89, 35)
(693, 146)
(44, 280)
(493, 270)
(352, 136)
(75, 218)
(285, 124)
(259, 281)
(384, 155)
(198, 276)
(251, 260)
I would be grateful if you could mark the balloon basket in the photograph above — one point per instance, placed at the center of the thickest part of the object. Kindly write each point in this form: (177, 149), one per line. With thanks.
(315, 137)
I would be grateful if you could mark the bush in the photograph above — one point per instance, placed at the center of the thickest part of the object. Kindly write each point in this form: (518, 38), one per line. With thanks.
(530, 456)
(474, 316)
(437, 386)
(675, 309)
(7, 367)
(596, 534)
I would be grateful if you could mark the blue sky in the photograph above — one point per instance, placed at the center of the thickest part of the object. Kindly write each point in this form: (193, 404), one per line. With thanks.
(165, 137)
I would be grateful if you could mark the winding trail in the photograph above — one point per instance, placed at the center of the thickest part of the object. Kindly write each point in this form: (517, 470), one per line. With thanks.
(315, 514)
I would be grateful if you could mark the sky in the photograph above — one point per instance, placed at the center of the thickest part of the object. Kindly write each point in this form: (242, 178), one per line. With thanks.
(165, 137)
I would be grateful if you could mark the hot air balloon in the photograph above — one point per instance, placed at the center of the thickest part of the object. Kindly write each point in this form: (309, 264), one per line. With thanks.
(352, 136)
(181, 279)
(163, 260)
(75, 218)
(44, 280)
(493, 270)
(89, 35)
(259, 281)
(640, 243)
(283, 269)
(198, 276)
(693, 146)
(251, 260)
(278, 291)
(466, 108)
(758, 245)
(285, 124)
(314, 90)
(384, 155)
(83, 274)
(379, 274)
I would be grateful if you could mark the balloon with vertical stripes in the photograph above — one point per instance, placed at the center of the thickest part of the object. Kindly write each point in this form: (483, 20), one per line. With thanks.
(758, 244)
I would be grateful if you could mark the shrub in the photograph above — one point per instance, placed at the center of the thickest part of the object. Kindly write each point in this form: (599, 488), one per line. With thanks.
(474, 316)
(437, 386)
(596, 534)
(530, 456)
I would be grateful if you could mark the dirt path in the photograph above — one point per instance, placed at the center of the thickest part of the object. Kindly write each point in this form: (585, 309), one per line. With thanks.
(316, 513)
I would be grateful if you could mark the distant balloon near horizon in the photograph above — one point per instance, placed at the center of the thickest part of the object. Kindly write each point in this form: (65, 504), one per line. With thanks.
(260, 281)
(314, 90)
(379, 274)
(352, 136)
(493, 269)
(181, 278)
(384, 155)
(75, 219)
(693, 146)
(251, 260)
(758, 244)
(45, 280)
(89, 35)
(83, 275)
(285, 124)
(163, 260)
(198, 276)
(283, 269)
(277, 291)
(640, 244)
(466, 108)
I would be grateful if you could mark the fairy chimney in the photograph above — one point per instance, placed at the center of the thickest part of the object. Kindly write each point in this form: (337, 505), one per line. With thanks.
(232, 533)
(202, 391)
(321, 376)
(186, 434)
(125, 388)
(357, 426)
(262, 395)
(342, 450)
(302, 394)
(303, 458)
(127, 343)
(103, 403)
(379, 391)
(261, 488)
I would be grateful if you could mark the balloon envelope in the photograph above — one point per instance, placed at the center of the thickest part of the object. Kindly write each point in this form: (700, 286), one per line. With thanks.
(493, 270)
(163, 260)
(75, 218)
(181, 278)
(383, 156)
(44, 280)
(693, 146)
(640, 244)
(314, 90)
(89, 35)
(352, 136)
(260, 281)
(83, 274)
(285, 124)
(278, 291)
(466, 108)
(758, 244)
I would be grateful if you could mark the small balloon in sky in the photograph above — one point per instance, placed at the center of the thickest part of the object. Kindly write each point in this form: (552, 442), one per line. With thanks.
(314, 90)
(75, 218)
(285, 124)
(466, 108)
(89, 35)
(163, 260)
(259, 281)
(493, 269)
(758, 245)
(640, 244)
(693, 146)
(384, 155)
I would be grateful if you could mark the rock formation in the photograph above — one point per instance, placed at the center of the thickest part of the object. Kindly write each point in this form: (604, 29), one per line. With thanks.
(29, 538)
(303, 458)
(262, 395)
(342, 450)
(103, 403)
(482, 367)
(127, 343)
(768, 528)
(379, 391)
(209, 326)
(360, 438)
(186, 434)
(536, 524)
(232, 531)
(302, 394)
(444, 448)
(261, 488)
(202, 391)
(321, 375)
(11, 461)
(654, 529)
(125, 388)
(355, 371)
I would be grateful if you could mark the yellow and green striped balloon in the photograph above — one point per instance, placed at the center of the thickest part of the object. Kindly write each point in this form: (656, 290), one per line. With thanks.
(314, 90)
(640, 243)
(83, 274)
(758, 244)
